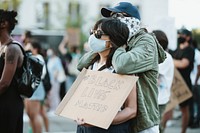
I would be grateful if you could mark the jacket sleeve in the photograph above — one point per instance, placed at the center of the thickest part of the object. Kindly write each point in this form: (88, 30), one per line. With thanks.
(140, 58)
(85, 60)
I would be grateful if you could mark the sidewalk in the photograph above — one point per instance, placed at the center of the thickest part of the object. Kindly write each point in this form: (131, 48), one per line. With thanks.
(57, 124)
(62, 125)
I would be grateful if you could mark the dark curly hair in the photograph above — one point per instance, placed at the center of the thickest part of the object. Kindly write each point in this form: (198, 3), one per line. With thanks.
(8, 16)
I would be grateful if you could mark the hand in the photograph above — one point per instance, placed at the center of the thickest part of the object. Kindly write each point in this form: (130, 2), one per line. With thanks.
(65, 39)
(80, 121)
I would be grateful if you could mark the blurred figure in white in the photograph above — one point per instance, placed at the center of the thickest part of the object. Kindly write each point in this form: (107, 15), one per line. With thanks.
(196, 85)
(165, 78)
(57, 76)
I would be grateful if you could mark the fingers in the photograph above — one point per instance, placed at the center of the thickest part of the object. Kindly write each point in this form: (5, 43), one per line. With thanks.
(80, 121)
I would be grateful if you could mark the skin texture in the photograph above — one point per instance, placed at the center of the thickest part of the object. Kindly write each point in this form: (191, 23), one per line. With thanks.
(13, 57)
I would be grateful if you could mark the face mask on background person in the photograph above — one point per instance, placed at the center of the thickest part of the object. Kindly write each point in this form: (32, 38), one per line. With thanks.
(97, 45)
(49, 53)
(181, 40)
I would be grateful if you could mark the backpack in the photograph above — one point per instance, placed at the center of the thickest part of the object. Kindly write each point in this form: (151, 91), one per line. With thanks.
(30, 78)
(46, 82)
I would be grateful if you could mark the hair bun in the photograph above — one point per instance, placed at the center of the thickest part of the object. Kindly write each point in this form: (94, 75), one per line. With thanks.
(13, 13)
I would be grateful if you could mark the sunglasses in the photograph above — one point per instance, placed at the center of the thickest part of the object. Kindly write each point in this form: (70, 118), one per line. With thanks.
(115, 15)
(97, 33)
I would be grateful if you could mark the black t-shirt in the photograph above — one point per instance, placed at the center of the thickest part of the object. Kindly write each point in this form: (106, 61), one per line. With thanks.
(187, 53)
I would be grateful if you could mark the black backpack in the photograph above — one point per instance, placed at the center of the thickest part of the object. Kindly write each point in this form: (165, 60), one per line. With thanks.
(46, 82)
(30, 78)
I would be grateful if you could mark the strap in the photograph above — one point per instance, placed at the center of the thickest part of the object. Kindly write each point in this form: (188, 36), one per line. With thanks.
(23, 51)
(102, 67)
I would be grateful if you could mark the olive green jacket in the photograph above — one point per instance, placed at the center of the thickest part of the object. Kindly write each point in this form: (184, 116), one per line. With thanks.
(142, 58)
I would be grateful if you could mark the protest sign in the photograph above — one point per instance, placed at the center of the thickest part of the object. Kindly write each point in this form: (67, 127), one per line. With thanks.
(179, 91)
(96, 96)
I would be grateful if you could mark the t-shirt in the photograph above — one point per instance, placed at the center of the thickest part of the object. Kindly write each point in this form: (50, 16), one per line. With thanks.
(166, 74)
(195, 70)
(187, 53)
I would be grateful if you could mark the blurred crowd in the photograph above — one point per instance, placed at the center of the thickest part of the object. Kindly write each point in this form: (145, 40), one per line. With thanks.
(60, 71)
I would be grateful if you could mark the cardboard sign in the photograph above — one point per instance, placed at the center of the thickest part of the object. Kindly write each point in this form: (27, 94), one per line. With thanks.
(73, 36)
(179, 91)
(96, 96)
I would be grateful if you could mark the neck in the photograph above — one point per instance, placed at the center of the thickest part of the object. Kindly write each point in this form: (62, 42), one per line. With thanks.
(184, 45)
(104, 56)
(5, 39)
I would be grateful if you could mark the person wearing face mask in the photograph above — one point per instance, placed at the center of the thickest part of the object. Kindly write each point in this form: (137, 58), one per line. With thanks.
(183, 60)
(57, 76)
(104, 42)
(141, 57)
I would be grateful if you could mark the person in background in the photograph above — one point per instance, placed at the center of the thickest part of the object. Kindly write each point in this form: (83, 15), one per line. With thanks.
(33, 104)
(70, 56)
(72, 64)
(57, 76)
(166, 75)
(141, 57)
(11, 60)
(195, 74)
(183, 60)
(26, 39)
(105, 41)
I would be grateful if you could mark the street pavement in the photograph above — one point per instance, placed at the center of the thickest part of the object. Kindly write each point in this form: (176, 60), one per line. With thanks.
(63, 125)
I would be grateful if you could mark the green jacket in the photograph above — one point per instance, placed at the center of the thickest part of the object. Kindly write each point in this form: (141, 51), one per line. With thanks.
(142, 58)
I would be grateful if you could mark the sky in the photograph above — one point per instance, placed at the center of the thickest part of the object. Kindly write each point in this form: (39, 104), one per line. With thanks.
(185, 12)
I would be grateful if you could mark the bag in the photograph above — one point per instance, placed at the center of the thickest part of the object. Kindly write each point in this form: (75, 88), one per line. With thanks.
(46, 82)
(30, 78)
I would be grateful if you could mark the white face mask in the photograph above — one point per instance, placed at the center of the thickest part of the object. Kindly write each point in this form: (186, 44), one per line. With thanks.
(49, 53)
(96, 45)
(132, 23)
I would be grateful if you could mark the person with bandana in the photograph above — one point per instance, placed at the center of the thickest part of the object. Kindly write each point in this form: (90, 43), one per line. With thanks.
(104, 41)
(141, 57)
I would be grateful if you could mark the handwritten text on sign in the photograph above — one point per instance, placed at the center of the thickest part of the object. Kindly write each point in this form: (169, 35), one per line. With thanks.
(99, 88)
(96, 96)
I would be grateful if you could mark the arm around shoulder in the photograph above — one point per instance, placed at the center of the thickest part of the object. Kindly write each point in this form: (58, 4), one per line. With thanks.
(85, 60)
(139, 58)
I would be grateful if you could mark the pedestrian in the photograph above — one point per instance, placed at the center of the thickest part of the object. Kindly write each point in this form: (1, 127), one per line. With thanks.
(11, 60)
(26, 39)
(165, 77)
(183, 60)
(33, 104)
(105, 41)
(57, 76)
(195, 74)
(141, 58)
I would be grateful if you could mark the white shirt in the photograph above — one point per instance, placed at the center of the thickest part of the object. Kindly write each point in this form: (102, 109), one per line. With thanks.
(195, 70)
(44, 66)
(166, 74)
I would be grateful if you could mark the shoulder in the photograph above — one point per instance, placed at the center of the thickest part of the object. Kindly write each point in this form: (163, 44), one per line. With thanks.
(143, 37)
(13, 48)
(197, 53)
(190, 50)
